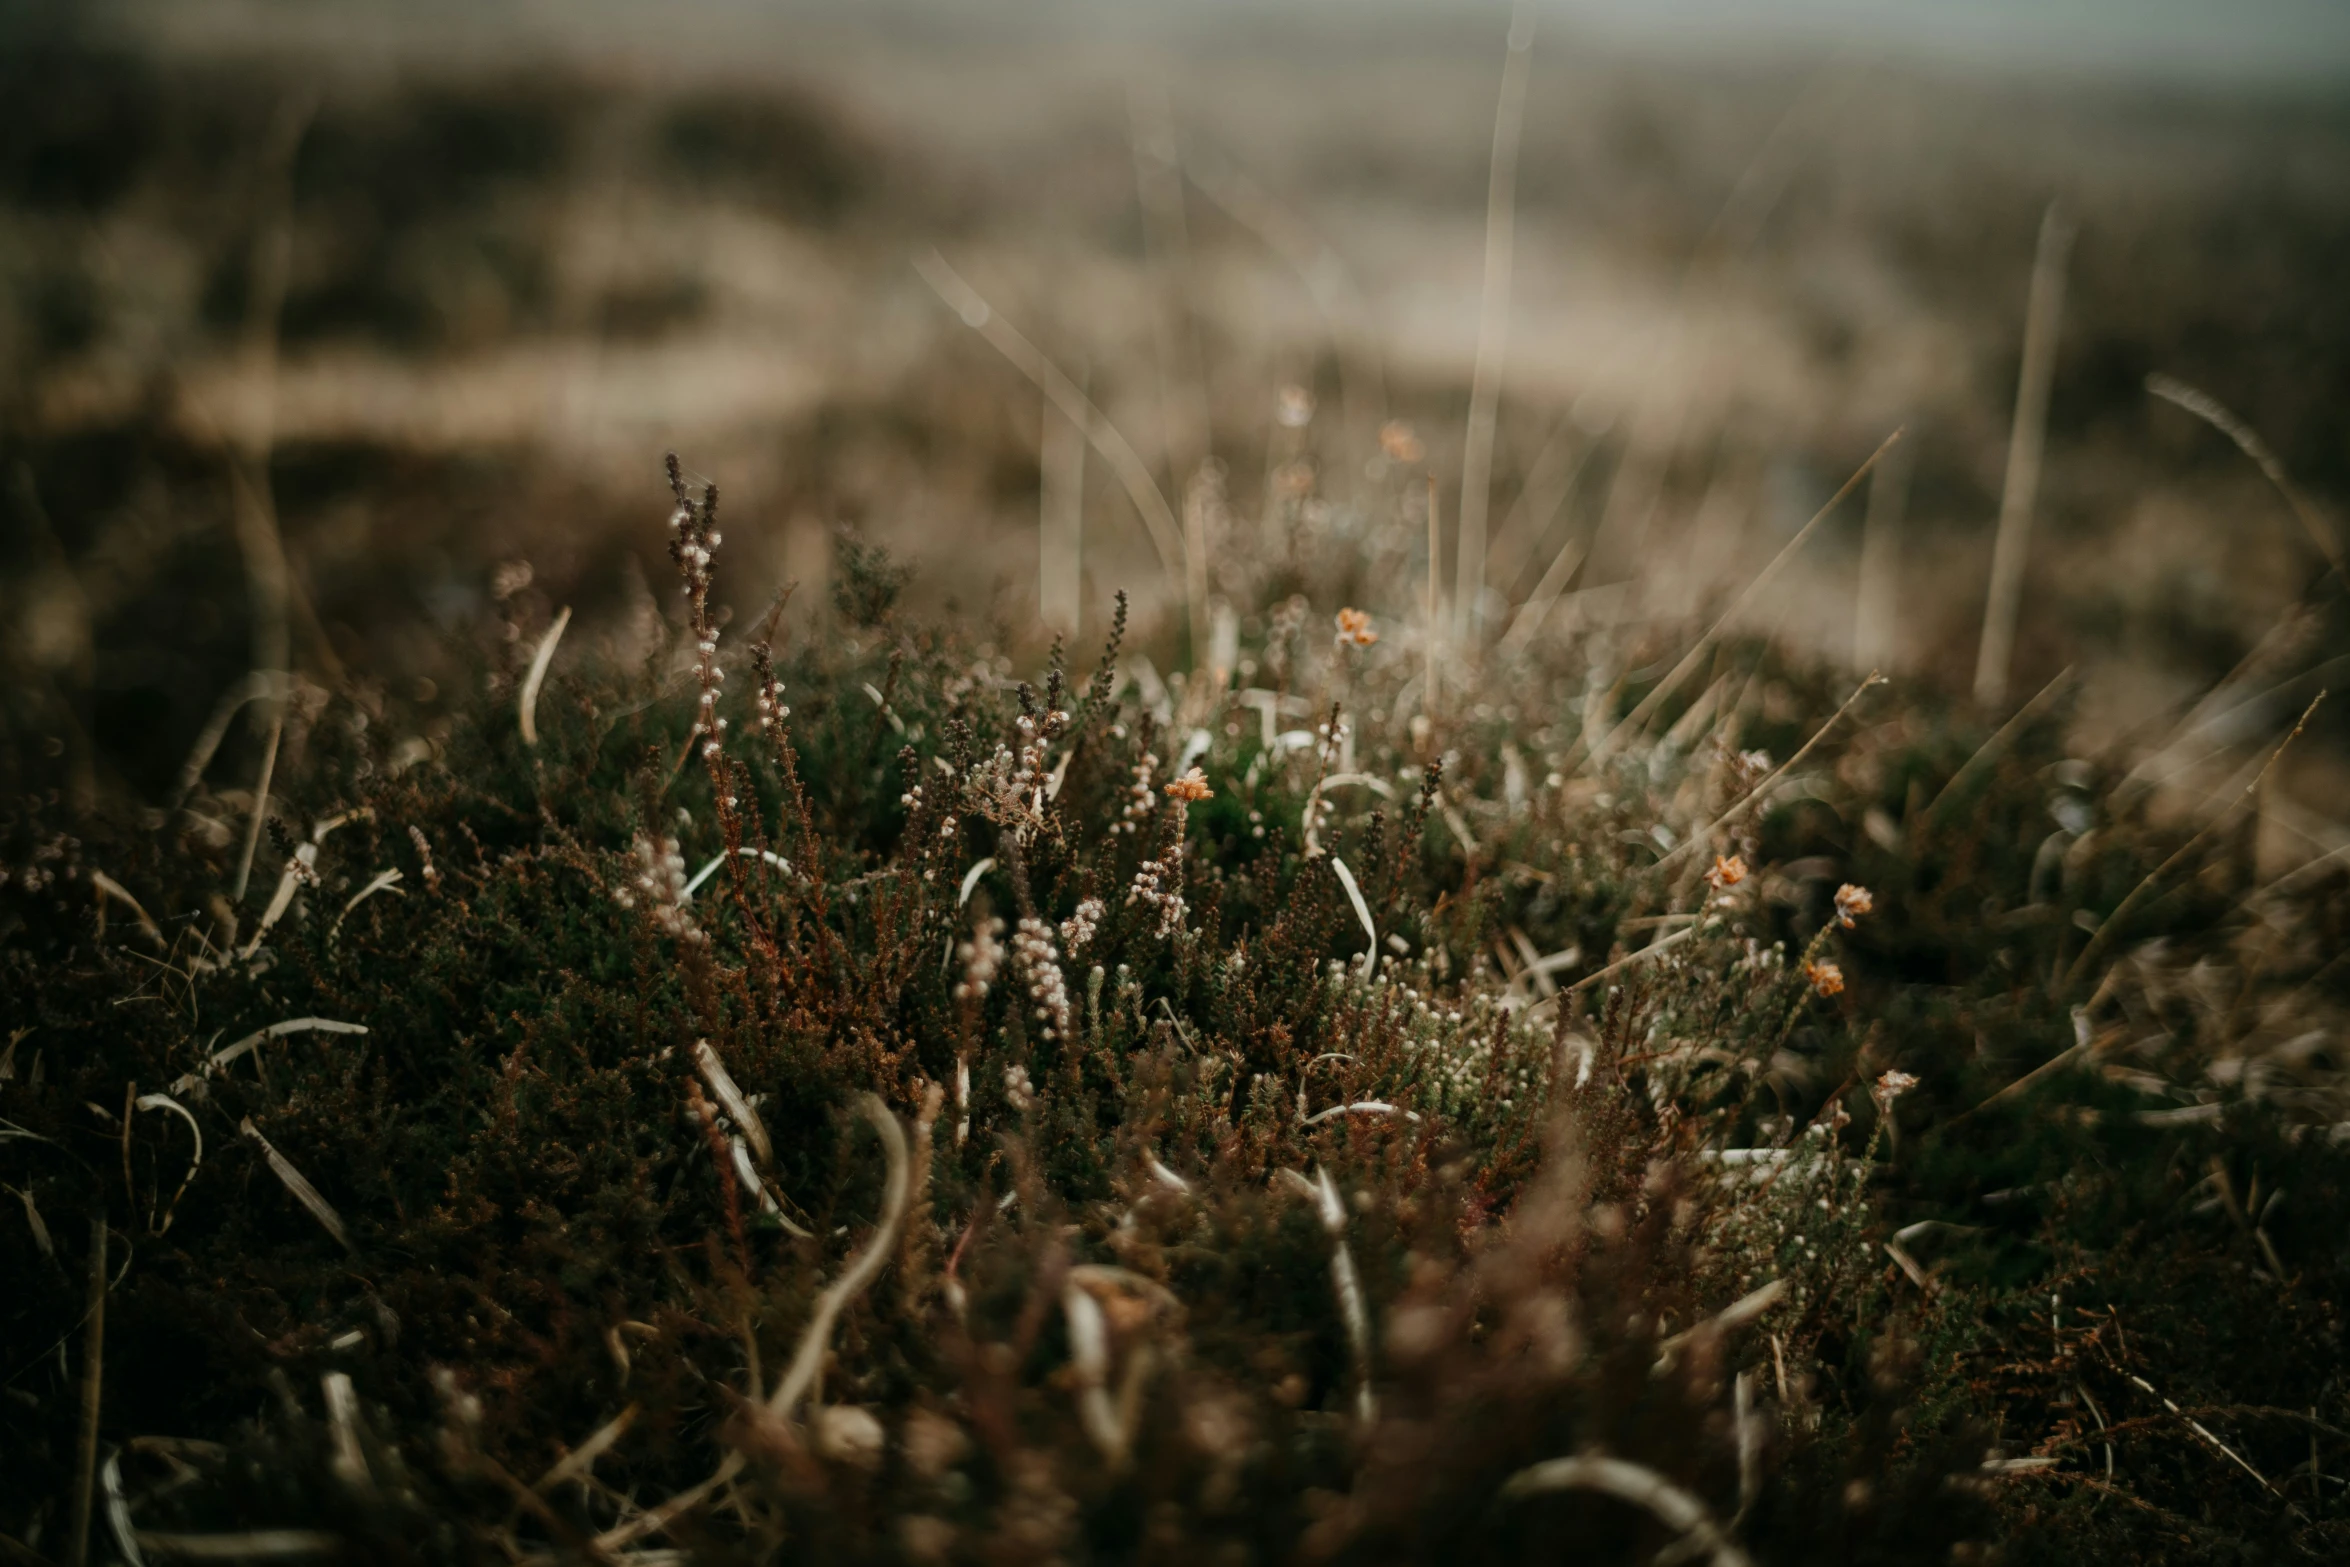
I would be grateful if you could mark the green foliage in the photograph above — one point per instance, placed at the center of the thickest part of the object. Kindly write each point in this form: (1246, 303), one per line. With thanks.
(1231, 1229)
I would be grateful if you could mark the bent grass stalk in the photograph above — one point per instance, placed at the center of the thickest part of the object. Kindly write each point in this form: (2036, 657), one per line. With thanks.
(526, 704)
(2213, 412)
(1158, 518)
(1639, 716)
(1760, 791)
(2026, 442)
(1501, 215)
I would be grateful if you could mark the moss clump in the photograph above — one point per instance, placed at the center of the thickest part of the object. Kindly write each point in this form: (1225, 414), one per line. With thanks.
(839, 1100)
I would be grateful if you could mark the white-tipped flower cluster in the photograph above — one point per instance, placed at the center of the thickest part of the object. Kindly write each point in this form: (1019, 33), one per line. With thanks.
(693, 545)
(768, 704)
(1077, 930)
(659, 884)
(1009, 787)
(1040, 964)
(1018, 1088)
(982, 956)
(1159, 884)
(432, 874)
(1141, 798)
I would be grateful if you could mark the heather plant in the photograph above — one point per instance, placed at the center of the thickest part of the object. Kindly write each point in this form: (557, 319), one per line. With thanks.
(824, 1092)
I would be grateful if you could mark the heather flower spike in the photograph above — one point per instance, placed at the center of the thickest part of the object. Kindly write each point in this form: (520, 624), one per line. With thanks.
(1825, 977)
(1851, 903)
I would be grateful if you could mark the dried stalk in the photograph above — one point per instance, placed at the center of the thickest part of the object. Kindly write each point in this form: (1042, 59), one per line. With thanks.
(295, 1182)
(2213, 412)
(1354, 895)
(526, 707)
(1760, 791)
(1643, 1487)
(817, 1337)
(1698, 650)
(2024, 447)
(1501, 216)
(1166, 533)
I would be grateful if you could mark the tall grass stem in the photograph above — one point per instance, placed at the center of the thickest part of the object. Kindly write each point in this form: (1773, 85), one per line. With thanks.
(2025, 445)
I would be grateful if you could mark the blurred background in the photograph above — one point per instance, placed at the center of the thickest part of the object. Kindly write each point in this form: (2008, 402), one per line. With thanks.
(412, 297)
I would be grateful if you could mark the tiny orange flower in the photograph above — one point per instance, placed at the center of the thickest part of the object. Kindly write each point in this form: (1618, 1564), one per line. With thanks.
(1729, 870)
(1851, 903)
(1191, 786)
(1890, 1087)
(1354, 629)
(1825, 977)
(1399, 443)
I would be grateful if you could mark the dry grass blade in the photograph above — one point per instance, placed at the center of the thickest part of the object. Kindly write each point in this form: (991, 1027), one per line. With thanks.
(348, 1461)
(118, 1511)
(1185, 434)
(1875, 638)
(35, 1223)
(298, 868)
(1354, 895)
(1675, 1508)
(295, 1182)
(293, 1025)
(108, 887)
(526, 705)
(166, 1102)
(1060, 521)
(1761, 791)
(710, 866)
(1990, 749)
(1166, 533)
(817, 1337)
(1089, 1354)
(1537, 607)
(1737, 1314)
(1348, 1284)
(1909, 1265)
(259, 685)
(1552, 475)
(2203, 1431)
(1703, 646)
(2113, 922)
(1359, 1107)
(745, 1115)
(1434, 646)
(655, 1519)
(384, 881)
(2048, 1068)
(1653, 949)
(2025, 444)
(2213, 412)
(277, 733)
(581, 1460)
(1501, 217)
